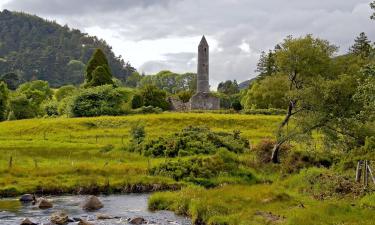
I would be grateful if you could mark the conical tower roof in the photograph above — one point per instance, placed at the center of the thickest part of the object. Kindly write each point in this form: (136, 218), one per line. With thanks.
(203, 41)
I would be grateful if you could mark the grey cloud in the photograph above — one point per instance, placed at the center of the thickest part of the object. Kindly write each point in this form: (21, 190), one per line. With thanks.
(261, 24)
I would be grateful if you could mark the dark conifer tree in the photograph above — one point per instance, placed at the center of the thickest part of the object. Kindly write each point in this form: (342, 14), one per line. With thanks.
(97, 70)
(362, 46)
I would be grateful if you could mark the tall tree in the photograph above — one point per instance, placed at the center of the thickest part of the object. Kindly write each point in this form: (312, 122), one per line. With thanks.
(267, 64)
(97, 71)
(303, 60)
(362, 46)
(228, 87)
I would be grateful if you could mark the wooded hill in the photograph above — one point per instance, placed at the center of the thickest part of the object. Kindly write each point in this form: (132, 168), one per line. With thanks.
(36, 48)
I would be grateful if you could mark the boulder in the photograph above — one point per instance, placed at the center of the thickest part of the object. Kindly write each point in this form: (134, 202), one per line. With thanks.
(59, 218)
(101, 216)
(27, 198)
(137, 221)
(92, 203)
(84, 222)
(44, 204)
(26, 221)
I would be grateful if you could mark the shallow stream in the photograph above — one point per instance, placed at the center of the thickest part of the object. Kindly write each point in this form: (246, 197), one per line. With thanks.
(12, 212)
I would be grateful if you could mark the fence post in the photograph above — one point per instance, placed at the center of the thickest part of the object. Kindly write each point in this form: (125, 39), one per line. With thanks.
(10, 162)
(366, 175)
(359, 171)
(44, 135)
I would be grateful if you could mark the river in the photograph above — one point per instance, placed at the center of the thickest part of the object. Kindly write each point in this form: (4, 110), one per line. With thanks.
(12, 212)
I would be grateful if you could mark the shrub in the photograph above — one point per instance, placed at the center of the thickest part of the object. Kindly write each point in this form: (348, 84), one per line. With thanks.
(22, 107)
(3, 100)
(297, 160)
(148, 110)
(51, 108)
(194, 140)
(270, 111)
(200, 170)
(137, 101)
(97, 101)
(155, 97)
(64, 92)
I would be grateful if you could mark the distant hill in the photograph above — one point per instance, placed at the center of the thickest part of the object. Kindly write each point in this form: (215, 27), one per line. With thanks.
(36, 48)
(245, 84)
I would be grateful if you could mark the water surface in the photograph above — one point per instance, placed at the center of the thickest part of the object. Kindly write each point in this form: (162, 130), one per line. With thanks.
(12, 212)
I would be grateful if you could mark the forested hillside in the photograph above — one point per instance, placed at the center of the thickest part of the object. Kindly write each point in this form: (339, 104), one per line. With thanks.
(35, 48)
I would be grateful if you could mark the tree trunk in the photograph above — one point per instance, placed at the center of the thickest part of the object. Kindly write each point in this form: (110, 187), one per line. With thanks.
(275, 152)
(277, 146)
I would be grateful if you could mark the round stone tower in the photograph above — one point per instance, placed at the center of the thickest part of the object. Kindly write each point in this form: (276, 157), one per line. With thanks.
(203, 67)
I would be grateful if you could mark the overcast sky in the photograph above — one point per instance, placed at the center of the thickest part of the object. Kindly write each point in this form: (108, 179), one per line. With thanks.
(155, 35)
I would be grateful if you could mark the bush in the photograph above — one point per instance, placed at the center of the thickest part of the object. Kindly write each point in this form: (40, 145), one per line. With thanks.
(297, 160)
(137, 101)
(194, 140)
(64, 92)
(22, 107)
(202, 170)
(97, 101)
(155, 97)
(51, 108)
(148, 110)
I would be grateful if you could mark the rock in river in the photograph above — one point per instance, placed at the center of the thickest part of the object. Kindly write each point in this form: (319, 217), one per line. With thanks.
(137, 221)
(44, 203)
(84, 222)
(101, 216)
(92, 203)
(26, 198)
(27, 222)
(59, 218)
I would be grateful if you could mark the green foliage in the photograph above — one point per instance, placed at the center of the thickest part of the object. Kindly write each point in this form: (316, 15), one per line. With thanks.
(368, 201)
(11, 79)
(228, 87)
(44, 49)
(148, 110)
(37, 91)
(152, 96)
(65, 91)
(102, 100)
(267, 64)
(201, 170)
(270, 92)
(193, 141)
(362, 46)
(137, 101)
(22, 107)
(138, 133)
(26, 101)
(171, 82)
(98, 72)
(185, 96)
(133, 80)
(51, 108)
(3, 100)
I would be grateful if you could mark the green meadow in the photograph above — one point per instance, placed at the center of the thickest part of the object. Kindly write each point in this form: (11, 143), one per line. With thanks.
(64, 155)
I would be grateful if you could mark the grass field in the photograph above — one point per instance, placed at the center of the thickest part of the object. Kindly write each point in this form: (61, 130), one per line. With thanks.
(60, 155)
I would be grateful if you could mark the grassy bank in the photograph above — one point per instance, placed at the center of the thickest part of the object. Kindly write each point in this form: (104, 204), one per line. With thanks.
(61, 155)
(264, 204)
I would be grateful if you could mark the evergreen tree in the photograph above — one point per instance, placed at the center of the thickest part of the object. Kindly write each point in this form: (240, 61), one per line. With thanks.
(362, 46)
(3, 100)
(266, 65)
(97, 70)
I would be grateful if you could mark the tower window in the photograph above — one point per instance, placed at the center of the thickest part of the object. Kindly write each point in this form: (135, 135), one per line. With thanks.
(205, 50)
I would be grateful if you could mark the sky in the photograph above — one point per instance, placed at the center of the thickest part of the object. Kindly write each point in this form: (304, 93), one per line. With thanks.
(156, 35)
